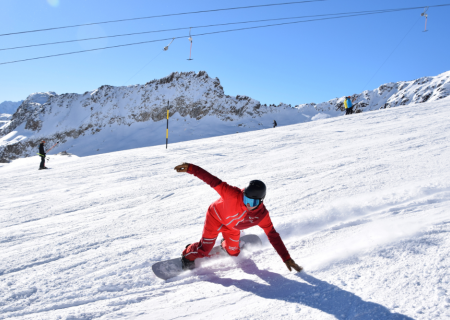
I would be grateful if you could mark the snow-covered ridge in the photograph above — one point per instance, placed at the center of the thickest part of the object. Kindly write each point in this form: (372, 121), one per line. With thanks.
(390, 95)
(28, 111)
(4, 118)
(118, 118)
(9, 107)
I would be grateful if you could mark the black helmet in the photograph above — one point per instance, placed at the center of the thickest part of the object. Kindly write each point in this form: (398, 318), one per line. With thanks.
(256, 190)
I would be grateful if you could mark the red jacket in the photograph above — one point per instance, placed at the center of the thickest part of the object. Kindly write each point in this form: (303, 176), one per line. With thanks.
(230, 210)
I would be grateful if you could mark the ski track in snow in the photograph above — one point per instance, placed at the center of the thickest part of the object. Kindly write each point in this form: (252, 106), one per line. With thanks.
(361, 202)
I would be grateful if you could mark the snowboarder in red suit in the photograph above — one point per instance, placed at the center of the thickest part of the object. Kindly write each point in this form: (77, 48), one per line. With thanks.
(235, 210)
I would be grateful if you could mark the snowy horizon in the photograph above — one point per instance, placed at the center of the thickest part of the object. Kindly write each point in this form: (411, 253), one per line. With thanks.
(118, 118)
(360, 201)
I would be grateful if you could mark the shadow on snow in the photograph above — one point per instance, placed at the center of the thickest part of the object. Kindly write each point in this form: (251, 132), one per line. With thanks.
(314, 293)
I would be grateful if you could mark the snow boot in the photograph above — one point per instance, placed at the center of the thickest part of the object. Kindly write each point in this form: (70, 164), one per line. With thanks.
(223, 248)
(187, 264)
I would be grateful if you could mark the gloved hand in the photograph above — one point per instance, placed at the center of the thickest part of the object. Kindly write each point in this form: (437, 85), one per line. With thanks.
(291, 264)
(182, 167)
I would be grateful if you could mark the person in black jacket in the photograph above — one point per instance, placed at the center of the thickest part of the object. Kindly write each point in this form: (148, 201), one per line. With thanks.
(274, 123)
(42, 155)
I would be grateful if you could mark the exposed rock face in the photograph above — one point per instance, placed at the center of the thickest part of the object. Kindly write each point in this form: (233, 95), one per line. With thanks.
(117, 118)
(391, 95)
(28, 112)
(193, 98)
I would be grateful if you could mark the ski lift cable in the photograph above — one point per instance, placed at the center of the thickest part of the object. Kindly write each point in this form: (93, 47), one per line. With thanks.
(196, 35)
(183, 28)
(164, 49)
(150, 41)
(151, 60)
(164, 15)
(216, 25)
(396, 47)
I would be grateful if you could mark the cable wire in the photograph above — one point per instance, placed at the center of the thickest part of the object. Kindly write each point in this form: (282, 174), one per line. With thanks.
(215, 25)
(143, 67)
(163, 15)
(195, 35)
(409, 31)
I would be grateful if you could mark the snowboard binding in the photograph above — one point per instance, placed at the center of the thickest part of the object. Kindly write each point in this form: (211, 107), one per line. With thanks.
(187, 264)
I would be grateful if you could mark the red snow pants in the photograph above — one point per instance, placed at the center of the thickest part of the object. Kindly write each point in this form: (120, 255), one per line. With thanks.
(211, 230)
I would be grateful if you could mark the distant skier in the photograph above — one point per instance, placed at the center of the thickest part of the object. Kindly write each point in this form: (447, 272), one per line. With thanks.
(42, 155)
(274, 123)
(348, 105)
(235, 210)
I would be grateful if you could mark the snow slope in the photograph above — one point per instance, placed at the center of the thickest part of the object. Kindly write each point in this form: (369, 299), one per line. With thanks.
(27, 111)
(362, 203)
(5, 118)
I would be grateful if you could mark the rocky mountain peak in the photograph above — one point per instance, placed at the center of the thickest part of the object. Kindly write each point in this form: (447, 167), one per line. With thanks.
(113, 118)
(390, 95)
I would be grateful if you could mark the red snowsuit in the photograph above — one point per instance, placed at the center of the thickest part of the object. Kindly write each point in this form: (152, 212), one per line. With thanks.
(228, 215)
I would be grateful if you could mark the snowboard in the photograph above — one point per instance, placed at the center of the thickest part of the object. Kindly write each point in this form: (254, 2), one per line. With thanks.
(171, 268)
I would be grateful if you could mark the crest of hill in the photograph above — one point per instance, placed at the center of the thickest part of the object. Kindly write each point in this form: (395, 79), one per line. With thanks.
(117, 118)
(390, 95)
(195, 100)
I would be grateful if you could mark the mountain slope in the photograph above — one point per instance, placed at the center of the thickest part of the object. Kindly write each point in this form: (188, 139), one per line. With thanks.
(361, 203)
(117, 118)
(390, 95)
(9, 107)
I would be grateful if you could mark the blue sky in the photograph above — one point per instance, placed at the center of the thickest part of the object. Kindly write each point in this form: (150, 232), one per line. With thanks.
(299, 63)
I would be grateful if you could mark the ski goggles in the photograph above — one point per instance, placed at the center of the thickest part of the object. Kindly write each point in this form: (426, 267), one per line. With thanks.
(251, 202)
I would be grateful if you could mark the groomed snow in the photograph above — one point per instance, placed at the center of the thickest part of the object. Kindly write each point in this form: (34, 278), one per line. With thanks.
(362, 203)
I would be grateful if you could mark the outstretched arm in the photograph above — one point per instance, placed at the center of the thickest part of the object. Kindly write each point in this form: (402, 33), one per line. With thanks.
(278, 244)
(203, 175)
(221, 187)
